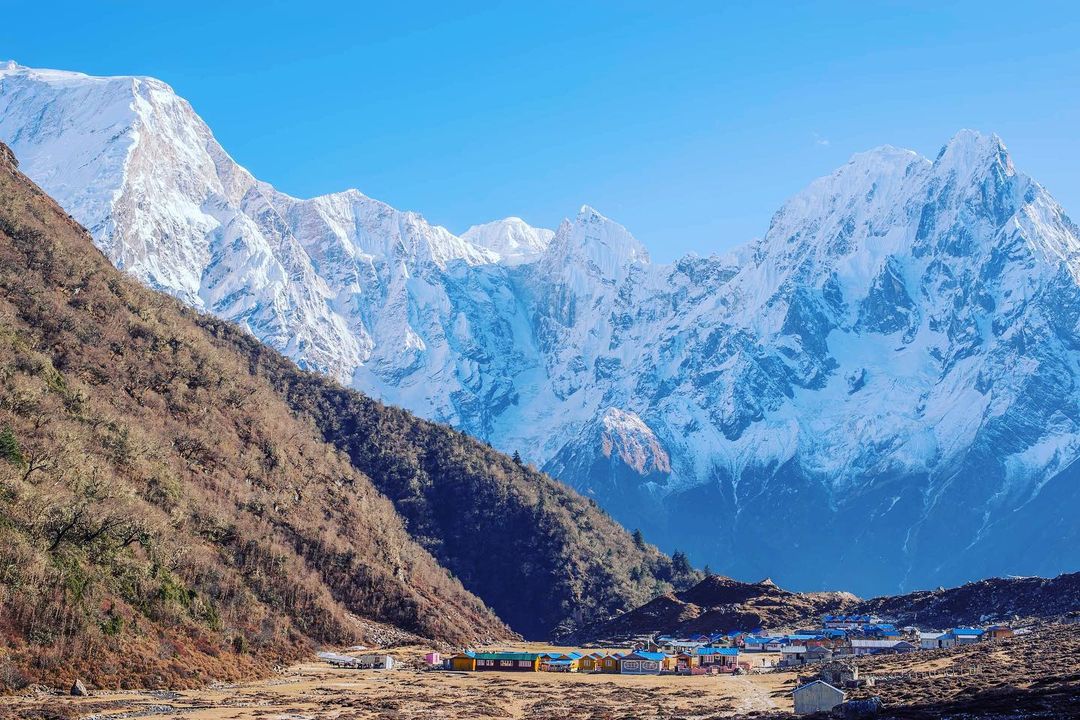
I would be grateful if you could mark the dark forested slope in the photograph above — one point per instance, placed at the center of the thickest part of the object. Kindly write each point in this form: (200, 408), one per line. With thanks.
(164, 517)
(543, 557)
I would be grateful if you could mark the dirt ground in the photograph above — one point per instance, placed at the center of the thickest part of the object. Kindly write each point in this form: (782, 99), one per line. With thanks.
(314, 690)
(1035, 676)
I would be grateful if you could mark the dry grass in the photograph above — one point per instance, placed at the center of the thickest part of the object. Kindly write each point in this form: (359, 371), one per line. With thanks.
(1031, 677)
(314, 691)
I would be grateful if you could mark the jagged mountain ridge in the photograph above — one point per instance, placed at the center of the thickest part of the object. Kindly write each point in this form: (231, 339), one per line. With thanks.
(884, 381)
(722, 605)
(172, 489)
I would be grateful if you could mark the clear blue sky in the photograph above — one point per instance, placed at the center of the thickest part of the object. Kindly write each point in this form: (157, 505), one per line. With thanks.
(689, 123)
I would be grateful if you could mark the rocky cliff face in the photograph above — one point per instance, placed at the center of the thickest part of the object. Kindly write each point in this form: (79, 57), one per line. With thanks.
(881, 393)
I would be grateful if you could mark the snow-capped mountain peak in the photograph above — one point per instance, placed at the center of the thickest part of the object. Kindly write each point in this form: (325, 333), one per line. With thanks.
(627, 436)
(512, 239)
(133, 162)
(886, 381)
(969, 152)
(596, 246)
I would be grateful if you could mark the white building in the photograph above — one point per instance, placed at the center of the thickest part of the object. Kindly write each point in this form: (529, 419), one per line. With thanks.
(818, 696)
(931, 640)
(793, 655)
(377, 662)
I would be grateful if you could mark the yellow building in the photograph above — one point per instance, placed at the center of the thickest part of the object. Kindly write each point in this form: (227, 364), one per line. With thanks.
(591, 662)
(610, 663)
(463, 661)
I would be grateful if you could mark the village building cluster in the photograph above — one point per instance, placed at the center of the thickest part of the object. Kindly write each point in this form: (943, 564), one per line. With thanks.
(641, 661)
(854, 635)
(838, 636)
(827, 647)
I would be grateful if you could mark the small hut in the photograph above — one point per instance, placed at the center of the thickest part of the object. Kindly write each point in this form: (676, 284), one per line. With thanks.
(508, 661)
(817, 696)
(610, 663)
(376, 662)
(642, 662)
(591, 662)
(463, 661)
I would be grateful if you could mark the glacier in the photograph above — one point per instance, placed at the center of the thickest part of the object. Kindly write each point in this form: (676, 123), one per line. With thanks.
(880, 393)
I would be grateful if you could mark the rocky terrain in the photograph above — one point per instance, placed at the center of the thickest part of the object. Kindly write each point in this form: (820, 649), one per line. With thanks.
(317, 692)
(984, 601)
(885, 382)
(1032, 676)
(720, 605)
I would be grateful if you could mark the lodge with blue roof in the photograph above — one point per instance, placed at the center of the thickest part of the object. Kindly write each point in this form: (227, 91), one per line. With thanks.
(643, 662)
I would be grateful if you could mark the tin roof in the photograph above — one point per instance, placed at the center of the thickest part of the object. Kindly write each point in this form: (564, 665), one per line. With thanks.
(716, 651)
(506, 656)
(763, 639)
(821, 682)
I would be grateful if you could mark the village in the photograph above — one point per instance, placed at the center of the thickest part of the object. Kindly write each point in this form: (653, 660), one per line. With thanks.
(961, 672)
(820, 651)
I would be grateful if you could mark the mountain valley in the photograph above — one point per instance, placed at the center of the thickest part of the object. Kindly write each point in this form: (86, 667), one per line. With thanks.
(180, 504)
(888, 375)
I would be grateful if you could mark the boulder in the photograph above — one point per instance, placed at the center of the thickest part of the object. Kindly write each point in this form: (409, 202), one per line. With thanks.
(78, 689)
(859, 709)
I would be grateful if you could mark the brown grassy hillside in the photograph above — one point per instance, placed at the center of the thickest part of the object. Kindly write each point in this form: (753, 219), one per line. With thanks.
(543, 557)
(164, 518)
